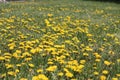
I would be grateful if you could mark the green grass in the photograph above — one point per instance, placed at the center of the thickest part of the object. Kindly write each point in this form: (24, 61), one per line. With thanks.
(79, 39)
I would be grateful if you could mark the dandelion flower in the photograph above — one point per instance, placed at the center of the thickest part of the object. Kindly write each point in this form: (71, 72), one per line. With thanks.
(107, 63)
(31, 65)
(96, 73)
(51, 68)
(105, 72)
(60, 74)
(69, 74)
(102, 77)
(114, 78)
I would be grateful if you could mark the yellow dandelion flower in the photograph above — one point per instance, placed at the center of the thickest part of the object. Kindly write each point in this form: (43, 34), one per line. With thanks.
(111, 52)
(18, 65)
(66, 70)
(60, 74)
(17, 70)
(82, 61)
(50, 62)
(7, 57)
(105, 71)
(11, 73)
(18, 51)
(95, 67)
(23, 79)
(9, 66)
(73, 79)
(75, 39)
(7, 54)
(15, 55)
(1, 23)
(98, 56)
(67, 41)
(47, 22)
(2, 58)
(49, 15)
(118, 75)
(35, 78)
(102, 77)
(114, 78)
(28, 59)
(33, 51)
(89, 35)
(107, 63)
(96, 73)
(11, 47)
(31, 65)
(85, 54)
(42, 77)
(39, 70)
(26, 54)
(69, 74)
(80, 67)
(88, 48)
(51, 68)
(3, 75)
(118, 60)
(97, 60)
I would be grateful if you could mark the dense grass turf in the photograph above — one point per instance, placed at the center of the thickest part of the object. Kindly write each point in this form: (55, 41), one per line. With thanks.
(59, 40)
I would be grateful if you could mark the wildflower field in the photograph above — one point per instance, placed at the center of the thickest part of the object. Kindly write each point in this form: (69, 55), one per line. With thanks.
(60, 40)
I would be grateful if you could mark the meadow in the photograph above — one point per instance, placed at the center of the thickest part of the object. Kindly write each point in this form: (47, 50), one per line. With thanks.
(59, 40)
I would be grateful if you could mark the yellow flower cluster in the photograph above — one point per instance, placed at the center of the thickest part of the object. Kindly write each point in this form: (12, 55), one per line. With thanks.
(59, 40)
